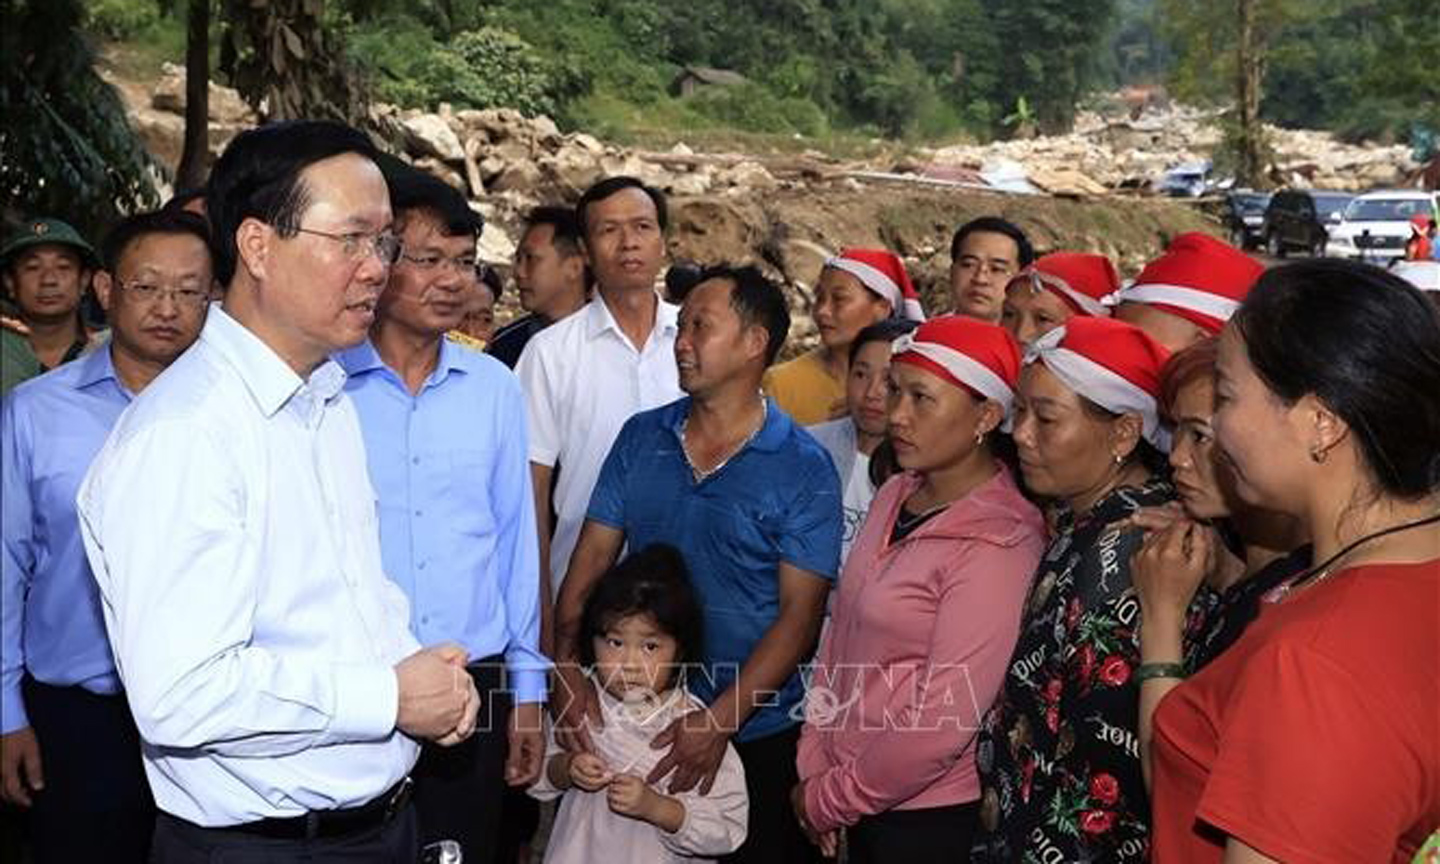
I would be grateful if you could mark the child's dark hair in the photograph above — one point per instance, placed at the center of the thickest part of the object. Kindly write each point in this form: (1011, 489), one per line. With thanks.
(654, 582)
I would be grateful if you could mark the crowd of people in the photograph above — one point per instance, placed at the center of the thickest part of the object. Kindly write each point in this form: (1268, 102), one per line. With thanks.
(303, 561)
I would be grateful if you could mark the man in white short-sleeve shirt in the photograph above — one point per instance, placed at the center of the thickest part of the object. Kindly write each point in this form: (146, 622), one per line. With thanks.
(585, 375)
(231, 527)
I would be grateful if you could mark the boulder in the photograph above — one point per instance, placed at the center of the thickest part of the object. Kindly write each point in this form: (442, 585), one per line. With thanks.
(572, 170)
(1065, 181)
(430, 135)
(518, 174)
(747, 175)
(434, 166)
(587, 142)
(495, 247)
(545, 130)
(225, 104)
(695, 183)
(162, 133)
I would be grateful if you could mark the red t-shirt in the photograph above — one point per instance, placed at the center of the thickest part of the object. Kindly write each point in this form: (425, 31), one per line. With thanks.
(1316, 737)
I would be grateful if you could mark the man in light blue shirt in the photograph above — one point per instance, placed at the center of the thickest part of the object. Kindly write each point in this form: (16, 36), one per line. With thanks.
(444, 429)
(70, 752)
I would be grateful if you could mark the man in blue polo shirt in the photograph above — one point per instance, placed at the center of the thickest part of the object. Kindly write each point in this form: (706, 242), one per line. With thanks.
(444, 429)
(69, 751)
(753, 503)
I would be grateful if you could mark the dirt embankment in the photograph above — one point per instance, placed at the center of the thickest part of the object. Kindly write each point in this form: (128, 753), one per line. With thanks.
(792, 230)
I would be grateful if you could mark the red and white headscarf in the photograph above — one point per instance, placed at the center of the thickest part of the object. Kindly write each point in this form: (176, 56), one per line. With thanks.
(1111, 363)
(884, 273)
(979, 357)
(1199, 278)
(1080, 279)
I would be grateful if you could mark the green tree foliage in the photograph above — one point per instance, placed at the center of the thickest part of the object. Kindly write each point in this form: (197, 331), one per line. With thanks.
(1050, 56)
(66, 148)
(482, 68)
(288, 62)
(892, 67)
(1366, 68)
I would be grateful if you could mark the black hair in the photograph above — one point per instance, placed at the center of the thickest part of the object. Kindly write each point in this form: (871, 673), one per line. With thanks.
(609, 186)
(680, 278)
(180, 199)
(166, 220)
(653, 582)
(1366, 343)
(490, 278)
(994, 225)
(412, 189)
(565, 233)
(756, 300)
(258, 176)
(881, 331)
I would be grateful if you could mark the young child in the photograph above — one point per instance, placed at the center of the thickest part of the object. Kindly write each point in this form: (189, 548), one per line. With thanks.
(640, 625)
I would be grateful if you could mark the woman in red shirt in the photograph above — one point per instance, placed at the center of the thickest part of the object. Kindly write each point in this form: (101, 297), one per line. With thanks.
(1316, 737)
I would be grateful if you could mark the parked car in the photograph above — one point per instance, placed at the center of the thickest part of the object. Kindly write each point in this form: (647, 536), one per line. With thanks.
(1375, 226)
(1296, 220)
(1244, 216)
(1190, 180)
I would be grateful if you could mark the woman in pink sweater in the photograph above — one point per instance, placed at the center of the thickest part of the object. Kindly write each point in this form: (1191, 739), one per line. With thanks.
(927, 613)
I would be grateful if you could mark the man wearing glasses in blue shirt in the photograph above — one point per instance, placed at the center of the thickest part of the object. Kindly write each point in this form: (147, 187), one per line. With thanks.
(444, 429)
(69, 752)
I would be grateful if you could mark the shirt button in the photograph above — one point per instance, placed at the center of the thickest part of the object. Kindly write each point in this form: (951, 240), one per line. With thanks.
(414, 460)
(419, 512)
(420, 566)
(424, 619)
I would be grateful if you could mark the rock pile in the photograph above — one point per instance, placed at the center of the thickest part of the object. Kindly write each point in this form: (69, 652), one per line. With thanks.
(1110, 150)
(159, 115)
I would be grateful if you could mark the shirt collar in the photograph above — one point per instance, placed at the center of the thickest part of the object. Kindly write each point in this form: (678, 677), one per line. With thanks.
(364, 359)
(771, 437)
(95, 367)
(598, 318)
(270, 381)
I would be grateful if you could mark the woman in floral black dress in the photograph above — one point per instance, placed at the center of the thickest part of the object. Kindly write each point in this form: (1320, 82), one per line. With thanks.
(1059, 757)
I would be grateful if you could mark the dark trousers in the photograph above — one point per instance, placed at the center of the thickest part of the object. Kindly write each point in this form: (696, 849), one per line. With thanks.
(96, 804)
(181, 842)
(459, 790)
(519, 822)
(774, 835)
(933, 834)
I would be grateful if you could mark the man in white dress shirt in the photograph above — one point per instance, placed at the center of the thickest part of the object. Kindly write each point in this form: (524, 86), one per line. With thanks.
(585, 375)
(231, 527)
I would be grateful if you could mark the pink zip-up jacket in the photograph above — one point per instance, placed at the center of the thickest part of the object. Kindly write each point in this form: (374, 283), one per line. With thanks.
(915, 653)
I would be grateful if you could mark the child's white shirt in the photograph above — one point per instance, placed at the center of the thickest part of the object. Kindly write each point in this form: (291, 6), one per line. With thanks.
(587, 830)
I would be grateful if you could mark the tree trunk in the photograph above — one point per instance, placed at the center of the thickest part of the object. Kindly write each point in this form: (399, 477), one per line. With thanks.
(1250, 71)
(193, 168)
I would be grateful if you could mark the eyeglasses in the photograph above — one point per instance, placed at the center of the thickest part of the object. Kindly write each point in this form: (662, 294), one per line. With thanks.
(460, 263)
(193, 296)
(357, 244)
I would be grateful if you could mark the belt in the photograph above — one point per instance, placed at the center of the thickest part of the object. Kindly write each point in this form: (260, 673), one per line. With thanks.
(322, 824)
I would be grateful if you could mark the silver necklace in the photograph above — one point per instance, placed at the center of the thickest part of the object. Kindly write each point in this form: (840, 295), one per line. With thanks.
(699, 474)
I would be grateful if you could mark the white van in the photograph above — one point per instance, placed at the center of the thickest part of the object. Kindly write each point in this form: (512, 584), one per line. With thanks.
(1376, 225)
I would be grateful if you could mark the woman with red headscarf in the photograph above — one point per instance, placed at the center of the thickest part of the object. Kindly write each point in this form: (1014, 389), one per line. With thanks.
(927, 611)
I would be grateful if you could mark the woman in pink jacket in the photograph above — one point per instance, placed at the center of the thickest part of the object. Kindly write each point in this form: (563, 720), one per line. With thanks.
(927, 612)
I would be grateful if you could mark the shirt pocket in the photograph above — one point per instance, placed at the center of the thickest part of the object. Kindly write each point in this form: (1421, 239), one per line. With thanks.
(468, 486)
